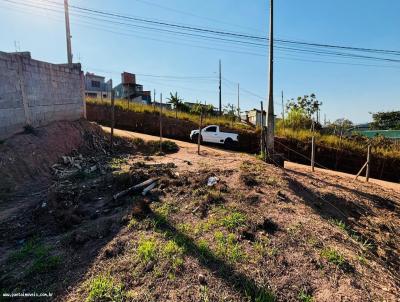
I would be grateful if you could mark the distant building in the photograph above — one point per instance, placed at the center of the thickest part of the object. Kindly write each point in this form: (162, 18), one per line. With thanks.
(254, 117)
(96, 87)
(131, 91)
(362, 127)
(389, 134)
(164, 105)
(190, 105)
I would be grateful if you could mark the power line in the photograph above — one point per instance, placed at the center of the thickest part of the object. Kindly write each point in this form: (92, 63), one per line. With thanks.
(187, 13)
(219, 39)
(221, 32)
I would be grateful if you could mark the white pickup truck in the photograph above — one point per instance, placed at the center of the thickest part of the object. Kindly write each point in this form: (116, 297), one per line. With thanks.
(212, 134)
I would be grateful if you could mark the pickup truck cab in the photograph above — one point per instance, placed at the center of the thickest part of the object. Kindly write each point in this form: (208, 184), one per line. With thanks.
(212, 134)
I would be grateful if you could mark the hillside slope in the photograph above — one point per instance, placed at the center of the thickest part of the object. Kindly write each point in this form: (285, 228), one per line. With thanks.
(256, 233)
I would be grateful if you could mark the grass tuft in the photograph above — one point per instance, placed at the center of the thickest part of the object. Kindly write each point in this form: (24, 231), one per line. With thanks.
(304, 297)
(256, 294)
(42, 260)
(147, 249)
(228, 247)
(234, 220)
(333, 256)
(174, 253)
(105, 289)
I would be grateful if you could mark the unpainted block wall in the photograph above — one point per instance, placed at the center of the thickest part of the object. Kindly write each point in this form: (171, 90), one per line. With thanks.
(36, 93)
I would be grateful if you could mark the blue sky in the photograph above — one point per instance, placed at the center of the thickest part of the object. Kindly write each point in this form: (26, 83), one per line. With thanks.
(350, 91)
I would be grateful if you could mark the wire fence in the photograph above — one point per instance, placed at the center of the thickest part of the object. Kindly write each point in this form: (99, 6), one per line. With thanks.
(395, 274)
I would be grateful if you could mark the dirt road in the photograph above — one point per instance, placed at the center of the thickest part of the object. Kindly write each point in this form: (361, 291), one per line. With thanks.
(189, 153)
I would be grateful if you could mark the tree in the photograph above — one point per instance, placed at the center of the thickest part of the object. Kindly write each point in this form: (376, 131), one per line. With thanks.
(309, 104)
(386, 120)
(207, 109)
(176, 101)
(339, 126)
(297, 119)
(230, 111)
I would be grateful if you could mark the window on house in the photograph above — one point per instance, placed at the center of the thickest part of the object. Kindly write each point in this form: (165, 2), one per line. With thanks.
(104, 95)
(96, 84)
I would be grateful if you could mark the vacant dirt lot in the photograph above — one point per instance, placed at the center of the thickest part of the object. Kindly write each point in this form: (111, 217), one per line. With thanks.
(222, 226)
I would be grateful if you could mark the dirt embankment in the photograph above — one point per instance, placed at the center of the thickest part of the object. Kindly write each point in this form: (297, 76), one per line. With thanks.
(331, 158)
(29, 155)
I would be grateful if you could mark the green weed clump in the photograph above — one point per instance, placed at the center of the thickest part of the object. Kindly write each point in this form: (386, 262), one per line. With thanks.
(234, 220)
(304, 297)
(333, 256)
(263, 248)
(228, 247)
(105, 289)
(204, 248)
(147, 249)
(42, 260)
(257, 294)
(174, 253)
(364, 243)
(167, 146)
(340, 224)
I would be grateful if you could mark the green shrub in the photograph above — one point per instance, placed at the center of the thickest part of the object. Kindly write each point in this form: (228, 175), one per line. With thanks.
(167, 147)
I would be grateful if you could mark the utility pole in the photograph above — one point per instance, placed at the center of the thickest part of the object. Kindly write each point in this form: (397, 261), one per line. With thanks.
(200, 126)
(271, 117)
(238, 104)
(68, 32)
(161, 123)
(262, 132)
(220, 88)
(313, 153)
(283, 113)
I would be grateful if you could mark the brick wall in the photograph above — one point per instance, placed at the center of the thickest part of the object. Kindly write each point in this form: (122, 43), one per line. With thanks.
(36, 93)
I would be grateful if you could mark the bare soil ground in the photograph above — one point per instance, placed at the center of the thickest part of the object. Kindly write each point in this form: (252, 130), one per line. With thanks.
(256, 233)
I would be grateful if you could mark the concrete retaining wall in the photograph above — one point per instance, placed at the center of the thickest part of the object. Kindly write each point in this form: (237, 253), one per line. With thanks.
(36, 93)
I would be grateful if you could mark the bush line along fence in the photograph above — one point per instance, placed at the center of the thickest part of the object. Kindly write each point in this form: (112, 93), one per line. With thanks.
(147, 121)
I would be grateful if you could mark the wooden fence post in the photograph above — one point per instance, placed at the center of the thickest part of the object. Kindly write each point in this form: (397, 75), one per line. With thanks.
(313, 153)
(200, 126)
(368, 163)
(112, 119)
(262, 133)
